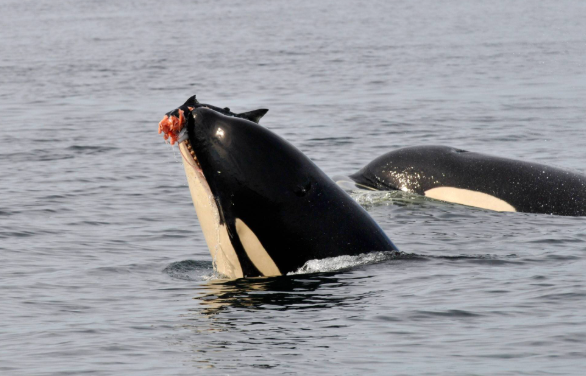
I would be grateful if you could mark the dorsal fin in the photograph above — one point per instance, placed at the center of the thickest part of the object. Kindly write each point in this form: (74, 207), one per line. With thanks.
(253, 115)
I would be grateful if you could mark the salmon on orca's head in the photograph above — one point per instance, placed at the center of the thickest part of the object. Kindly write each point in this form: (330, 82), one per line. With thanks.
(264, 207)
(174, 120)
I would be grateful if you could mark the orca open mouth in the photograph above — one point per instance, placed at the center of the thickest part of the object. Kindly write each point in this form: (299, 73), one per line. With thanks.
(174, 129)
(186, 148)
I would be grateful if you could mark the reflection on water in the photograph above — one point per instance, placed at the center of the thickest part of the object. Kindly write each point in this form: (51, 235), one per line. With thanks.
(262, 322)
(275, 293)
(311, 291)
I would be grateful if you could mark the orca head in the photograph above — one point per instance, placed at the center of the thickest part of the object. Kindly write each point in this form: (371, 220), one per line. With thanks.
(239, 174)
(409, 169)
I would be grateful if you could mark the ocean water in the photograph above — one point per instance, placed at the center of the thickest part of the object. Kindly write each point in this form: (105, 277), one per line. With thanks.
(104, 270)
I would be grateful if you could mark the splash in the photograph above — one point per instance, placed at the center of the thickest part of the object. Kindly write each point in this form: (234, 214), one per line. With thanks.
(372, 198)
(191, 270)
(344, 262)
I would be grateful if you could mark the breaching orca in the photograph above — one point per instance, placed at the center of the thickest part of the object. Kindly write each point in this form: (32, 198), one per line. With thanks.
(264, 207)
(479, 180)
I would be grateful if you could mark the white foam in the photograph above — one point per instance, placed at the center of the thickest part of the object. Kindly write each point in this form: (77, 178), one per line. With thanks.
(192, 270)
(343, 262)
(214, 275)
(372, 198)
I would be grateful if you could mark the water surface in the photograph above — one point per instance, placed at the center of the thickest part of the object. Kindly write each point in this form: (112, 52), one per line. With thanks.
(104, 270)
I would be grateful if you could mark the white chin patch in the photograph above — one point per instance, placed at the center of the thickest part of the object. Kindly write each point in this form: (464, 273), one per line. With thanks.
(470, 198)
(224, 257)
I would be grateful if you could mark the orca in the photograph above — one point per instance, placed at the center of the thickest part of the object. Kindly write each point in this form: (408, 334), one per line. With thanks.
(474, 179)
(264, 207)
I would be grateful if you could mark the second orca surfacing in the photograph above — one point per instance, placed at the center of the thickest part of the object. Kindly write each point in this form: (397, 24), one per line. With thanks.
(264, 207)
(479, 180)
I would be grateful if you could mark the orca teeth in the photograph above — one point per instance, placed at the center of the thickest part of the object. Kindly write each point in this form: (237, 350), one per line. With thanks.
(192, 153)
(190, 150)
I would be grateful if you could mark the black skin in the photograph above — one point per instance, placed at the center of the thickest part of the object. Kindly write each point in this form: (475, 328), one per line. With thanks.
(192, 104)
(295, 210)
(528, 187)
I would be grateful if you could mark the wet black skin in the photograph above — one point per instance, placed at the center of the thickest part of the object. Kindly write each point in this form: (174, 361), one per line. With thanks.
(295, 210)
(528, 187)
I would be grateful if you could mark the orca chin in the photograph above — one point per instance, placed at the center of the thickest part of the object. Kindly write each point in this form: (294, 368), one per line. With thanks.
(265, 208)
(478, 180)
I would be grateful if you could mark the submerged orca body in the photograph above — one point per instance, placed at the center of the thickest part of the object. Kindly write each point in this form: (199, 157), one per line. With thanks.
(264, 207)
(479, 180)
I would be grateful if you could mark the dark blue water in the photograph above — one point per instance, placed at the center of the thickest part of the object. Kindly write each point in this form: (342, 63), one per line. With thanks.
(103, 267)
